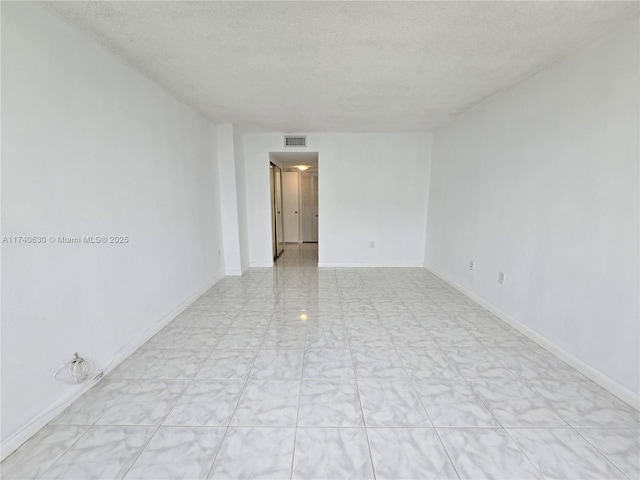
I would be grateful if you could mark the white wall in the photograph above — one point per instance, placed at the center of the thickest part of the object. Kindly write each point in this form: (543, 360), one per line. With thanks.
(541, 182)
(90, 147)
(371, 188)
(241, 196)
(229, 199)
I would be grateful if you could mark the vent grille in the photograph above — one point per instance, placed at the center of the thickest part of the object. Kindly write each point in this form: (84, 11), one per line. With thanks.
(290, 141)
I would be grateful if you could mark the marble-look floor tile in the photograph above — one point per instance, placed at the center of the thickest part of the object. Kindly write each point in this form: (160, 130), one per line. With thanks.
(454, 404)
(451, 335)
(145, 403)
(328, 365)
(371, 364)
(586, 405)
(268, 403)
(418, 346)
(411, 337)
(435, 319)
(563, 454)
(409, 453)
(515, 405)
(331, 453)
(278, 365)
(136, 364)
(365, 326)
(367, 336)
(428, 365)
(462, 347)
(103, 452)
(405, 328)
(217, 330)
(326, 338)
(164, 338)
(178, 452)
(183, 321)
(621, 447)
(220, 323)
(389, 307)
(391, 404)
(284, 341)
(479, 366)
(513, 343)
(483, 453)
(40, 452)
(227, 365)
(529, 368)
(255, 453)
(94, 403)
(371, 342)
(198, 339)
(477, 315)
(243, 339)
(176, 364)
(206, 403)
(329, 404)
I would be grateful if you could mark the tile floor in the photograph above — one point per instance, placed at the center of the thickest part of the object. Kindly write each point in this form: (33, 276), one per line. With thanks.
(299, 372)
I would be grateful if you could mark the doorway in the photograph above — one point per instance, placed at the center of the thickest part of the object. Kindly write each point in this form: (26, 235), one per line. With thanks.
(291, 209)
(298, 217)
(276, 210)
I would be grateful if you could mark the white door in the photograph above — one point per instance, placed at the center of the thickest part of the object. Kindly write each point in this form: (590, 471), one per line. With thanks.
(309, 207)
(290, 206)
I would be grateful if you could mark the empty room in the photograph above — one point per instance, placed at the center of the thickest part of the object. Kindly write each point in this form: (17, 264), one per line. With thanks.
(320, 240)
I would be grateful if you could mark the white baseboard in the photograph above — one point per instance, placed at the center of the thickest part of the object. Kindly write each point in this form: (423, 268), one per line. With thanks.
(14, 441)
(236, 272)
(604, 381)
(261, 265)
(368, 265)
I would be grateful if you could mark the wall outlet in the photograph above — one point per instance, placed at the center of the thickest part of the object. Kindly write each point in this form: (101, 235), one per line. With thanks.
(372, 244)
(501, 277)
(472, 265)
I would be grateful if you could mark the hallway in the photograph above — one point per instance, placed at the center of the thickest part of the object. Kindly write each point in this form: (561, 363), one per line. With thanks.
(299, 372)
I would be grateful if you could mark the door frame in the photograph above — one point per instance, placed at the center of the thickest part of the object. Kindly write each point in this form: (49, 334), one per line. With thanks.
(277, 232)
(303, 209)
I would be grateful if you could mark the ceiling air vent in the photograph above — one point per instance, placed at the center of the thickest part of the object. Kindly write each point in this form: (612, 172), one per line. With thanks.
(297, 141)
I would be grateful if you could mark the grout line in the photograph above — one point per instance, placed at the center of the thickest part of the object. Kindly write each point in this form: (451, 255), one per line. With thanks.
(295, 435)
(364, 423)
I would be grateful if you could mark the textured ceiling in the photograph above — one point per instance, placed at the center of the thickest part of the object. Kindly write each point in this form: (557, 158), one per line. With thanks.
(340, 66)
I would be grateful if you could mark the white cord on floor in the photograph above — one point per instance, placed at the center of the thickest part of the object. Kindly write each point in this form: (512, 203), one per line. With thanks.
(78, 369)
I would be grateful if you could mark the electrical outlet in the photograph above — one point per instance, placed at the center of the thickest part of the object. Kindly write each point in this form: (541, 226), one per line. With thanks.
(372, 244)
(472, 265)
(501, 277)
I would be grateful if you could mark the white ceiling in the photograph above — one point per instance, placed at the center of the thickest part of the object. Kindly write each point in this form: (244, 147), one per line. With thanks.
(340, 66)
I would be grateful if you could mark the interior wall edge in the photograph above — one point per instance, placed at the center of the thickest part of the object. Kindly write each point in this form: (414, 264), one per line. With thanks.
(587, 370)
(12, 443)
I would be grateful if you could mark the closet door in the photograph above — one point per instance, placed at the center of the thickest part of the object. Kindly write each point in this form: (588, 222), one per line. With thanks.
(276, 210)
(290, 206)
(309, 207)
